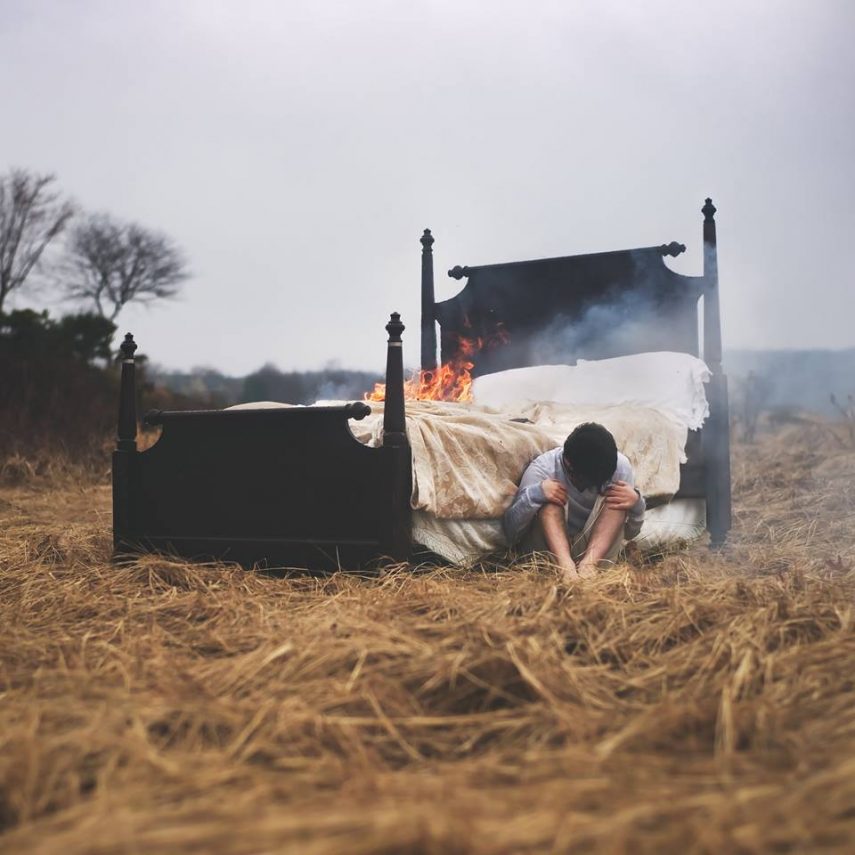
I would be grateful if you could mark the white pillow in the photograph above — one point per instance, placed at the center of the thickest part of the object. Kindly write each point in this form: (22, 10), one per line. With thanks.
(672, 383)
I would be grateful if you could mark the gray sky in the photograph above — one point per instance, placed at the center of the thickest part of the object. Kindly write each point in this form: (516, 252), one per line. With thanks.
(296, 150)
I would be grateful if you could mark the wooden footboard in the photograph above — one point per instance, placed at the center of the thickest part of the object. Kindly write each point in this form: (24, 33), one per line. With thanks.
(286, 487)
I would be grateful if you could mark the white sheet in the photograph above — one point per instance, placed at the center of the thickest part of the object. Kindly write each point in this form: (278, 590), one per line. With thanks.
(672, 383)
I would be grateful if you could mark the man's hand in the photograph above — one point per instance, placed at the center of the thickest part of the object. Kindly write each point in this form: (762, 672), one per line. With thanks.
(620, 496)
(554, 492)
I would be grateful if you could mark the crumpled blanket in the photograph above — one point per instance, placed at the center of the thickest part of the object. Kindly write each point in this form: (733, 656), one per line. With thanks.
(468, 459)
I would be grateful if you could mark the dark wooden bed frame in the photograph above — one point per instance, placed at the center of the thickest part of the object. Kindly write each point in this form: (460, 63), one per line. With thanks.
(288, 487)
(292, 487)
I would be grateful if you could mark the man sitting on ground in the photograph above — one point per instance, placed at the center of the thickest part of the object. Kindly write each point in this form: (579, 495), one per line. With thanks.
(577, 502)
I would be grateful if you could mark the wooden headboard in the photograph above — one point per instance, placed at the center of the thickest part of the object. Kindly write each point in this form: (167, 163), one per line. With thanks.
(559, 310)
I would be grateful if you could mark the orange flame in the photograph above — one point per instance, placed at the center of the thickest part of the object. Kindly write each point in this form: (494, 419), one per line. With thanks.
(451, 381)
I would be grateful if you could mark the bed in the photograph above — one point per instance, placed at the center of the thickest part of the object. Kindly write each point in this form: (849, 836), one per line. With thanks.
(294, 487)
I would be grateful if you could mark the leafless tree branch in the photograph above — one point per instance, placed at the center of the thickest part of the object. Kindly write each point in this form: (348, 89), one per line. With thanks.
(112, 263)
(32, 214)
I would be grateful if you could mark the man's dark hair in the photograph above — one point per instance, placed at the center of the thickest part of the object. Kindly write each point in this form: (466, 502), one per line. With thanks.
(591, 452)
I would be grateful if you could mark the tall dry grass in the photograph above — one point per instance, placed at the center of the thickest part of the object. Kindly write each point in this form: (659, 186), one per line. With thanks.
(701, 703)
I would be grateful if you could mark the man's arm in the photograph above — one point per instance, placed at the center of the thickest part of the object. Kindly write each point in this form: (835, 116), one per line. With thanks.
(635, 517)
(529, 499)
(622, 495)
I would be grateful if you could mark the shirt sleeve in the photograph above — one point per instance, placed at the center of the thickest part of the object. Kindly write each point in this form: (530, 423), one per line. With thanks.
(528, 500)
(635, 516)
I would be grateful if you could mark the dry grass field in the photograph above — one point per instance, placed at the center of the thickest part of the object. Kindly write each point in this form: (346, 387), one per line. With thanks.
(696, 703)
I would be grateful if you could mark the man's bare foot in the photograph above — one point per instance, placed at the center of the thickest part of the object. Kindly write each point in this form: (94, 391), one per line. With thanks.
(587, 570)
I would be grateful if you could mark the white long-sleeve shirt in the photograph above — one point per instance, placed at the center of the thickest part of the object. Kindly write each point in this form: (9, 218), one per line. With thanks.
(530, 498)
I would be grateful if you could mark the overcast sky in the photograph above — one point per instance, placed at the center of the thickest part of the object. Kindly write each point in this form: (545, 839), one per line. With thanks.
(296, 150)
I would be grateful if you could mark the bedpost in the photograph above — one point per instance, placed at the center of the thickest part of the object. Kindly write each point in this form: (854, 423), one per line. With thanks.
(126, 447)
(428, 303)
(396, 538)
(717, 432)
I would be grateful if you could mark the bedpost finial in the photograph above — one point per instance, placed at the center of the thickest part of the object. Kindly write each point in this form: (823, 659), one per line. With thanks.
(426, 240)
(708, 210)
(673, 249)
(128, 347)
(395, 327)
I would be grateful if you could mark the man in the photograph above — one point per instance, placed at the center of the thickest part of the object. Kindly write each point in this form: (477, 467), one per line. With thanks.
(577, 502)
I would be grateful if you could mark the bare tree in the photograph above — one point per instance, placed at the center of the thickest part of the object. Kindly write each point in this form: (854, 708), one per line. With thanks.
(32, 214)
(113, 263)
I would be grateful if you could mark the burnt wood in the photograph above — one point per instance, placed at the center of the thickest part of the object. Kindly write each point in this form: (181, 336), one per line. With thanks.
(597, 306)
(289, 487)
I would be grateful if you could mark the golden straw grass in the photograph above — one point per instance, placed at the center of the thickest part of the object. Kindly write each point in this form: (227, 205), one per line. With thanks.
(701, 703)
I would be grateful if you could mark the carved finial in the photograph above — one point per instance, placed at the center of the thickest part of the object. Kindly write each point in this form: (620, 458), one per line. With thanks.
(427, 240)
(358, 410)
(708, 210)
(673, 249)
(394, 327)
(458, 272)
(128, 347)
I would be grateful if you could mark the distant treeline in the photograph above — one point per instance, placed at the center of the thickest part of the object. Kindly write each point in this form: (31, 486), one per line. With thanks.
(268, 384)
(59, 387)
(55, 389)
